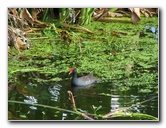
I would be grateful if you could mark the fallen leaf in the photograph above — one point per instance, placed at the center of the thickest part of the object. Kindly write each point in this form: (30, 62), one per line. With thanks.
(26, 15)
(135, 17)
(13, 11)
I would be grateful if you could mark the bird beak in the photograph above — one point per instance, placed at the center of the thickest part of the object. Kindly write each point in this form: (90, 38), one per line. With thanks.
(70, 72)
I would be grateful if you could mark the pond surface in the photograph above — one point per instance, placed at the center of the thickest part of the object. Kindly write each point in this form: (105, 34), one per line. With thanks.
(106, 95)
(124, 56)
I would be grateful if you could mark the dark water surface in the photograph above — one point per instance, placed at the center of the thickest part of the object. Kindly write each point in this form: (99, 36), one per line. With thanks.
(106, 95)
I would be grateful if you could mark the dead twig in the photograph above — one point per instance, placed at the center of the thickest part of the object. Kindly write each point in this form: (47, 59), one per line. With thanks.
(79, 28)
(103, 14)
(71, 98)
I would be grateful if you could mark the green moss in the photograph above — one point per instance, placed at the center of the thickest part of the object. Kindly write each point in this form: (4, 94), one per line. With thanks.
(126, 56)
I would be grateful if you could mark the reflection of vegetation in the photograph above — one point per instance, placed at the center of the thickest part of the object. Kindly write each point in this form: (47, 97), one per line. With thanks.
(121, 114)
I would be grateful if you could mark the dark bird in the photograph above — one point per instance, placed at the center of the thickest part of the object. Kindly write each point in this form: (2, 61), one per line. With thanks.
(81, 81)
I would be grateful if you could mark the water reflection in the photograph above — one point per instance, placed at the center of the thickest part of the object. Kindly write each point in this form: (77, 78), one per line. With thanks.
(54, 90)
(114, 103)
(76, 90)
(106, 95)
(31, 100)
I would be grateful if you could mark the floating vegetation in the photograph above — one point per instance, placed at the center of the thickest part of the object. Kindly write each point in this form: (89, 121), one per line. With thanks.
(122, 54)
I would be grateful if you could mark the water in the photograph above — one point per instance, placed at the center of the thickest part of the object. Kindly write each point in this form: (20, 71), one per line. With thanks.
(107, 96)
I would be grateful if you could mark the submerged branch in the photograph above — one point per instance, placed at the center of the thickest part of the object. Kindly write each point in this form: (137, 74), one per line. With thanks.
(45, 106)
